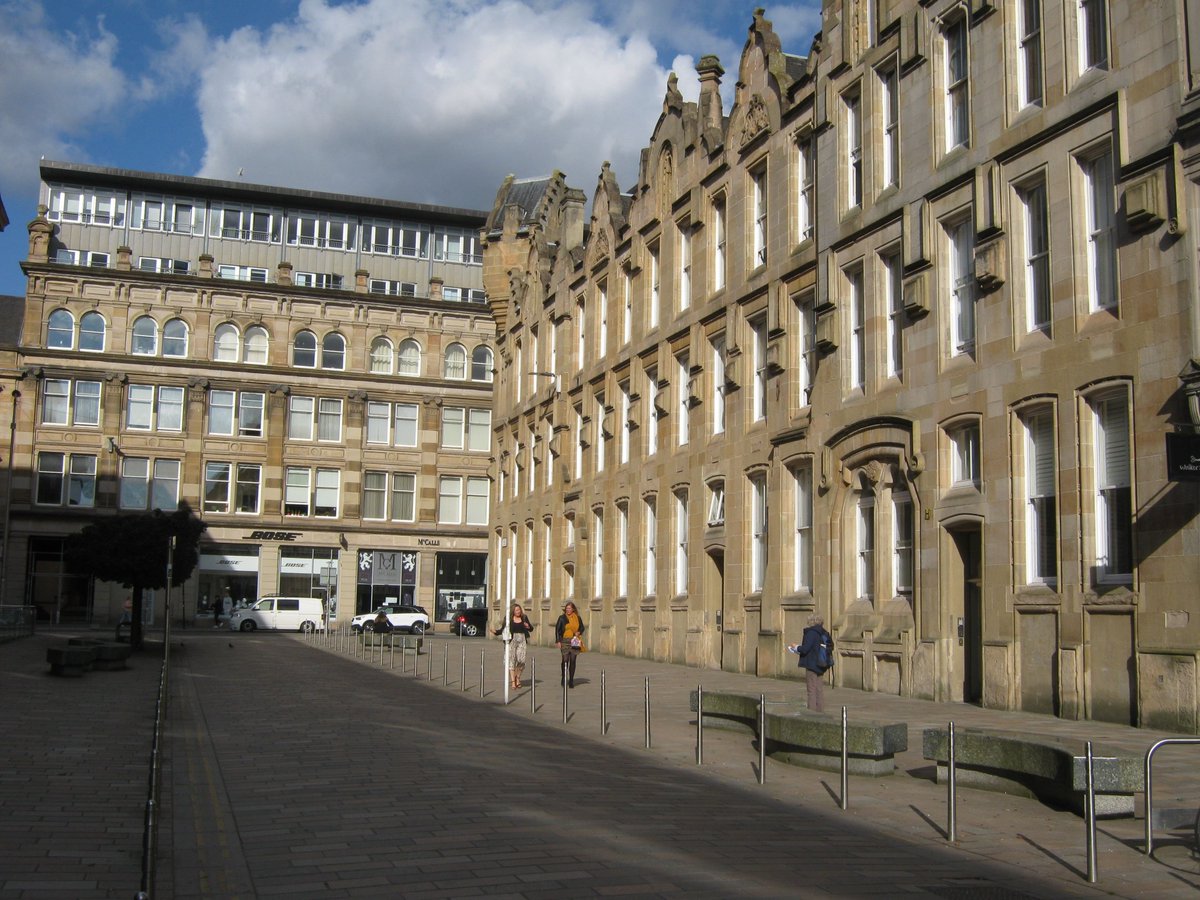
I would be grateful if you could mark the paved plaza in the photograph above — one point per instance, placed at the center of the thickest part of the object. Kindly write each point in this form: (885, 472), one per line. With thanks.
(295, 769)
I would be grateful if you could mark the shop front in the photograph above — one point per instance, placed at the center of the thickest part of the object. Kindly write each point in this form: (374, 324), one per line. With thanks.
(386, 576)
(461, 583)
(227, 576)
(310, 572)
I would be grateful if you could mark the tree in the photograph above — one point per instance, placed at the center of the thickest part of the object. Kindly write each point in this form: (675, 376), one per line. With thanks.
(133, 549)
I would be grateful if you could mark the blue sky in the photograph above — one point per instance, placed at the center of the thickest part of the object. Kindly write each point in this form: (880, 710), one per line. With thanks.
(430, 101)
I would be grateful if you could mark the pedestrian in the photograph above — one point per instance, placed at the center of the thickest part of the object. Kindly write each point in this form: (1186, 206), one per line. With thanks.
(568, 637)
(382, 624)
(516, 634)
(813, 661)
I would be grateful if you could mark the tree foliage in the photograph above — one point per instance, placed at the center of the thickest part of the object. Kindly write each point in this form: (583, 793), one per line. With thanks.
(132, 550)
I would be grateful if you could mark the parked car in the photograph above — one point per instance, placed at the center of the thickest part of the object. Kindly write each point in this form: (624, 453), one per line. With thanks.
(305, 614)
(470, 622)
(411, 619)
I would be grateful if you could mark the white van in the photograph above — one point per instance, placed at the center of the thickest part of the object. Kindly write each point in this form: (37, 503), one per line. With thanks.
(281, 614)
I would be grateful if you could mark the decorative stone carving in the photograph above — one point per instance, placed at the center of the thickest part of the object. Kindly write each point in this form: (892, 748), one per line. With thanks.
(756, 121)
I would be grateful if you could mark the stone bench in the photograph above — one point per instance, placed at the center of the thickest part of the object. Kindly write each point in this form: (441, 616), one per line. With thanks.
(810, 739)
(71, 660)
(110, 656)
(1045, 769)
(405, 643)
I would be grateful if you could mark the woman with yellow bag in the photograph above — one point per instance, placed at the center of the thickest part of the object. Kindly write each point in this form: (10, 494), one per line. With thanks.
(568, 637)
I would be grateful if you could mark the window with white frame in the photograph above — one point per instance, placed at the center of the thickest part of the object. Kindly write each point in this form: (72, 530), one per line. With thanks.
(805, 187)
(964, 454)
(409, 358)
(1029, 52)
(333, 351)
(1101, 245)
(682, 397)
(144, 337)
(1114, 492)
(758, 210)
(1037, 257)
(758, 532)
(149, 483)
(304, 350)
(236, 413)
(226, 343)
(681, 542)
(802, 537)
(720, 244)
(297, 491)
(852, 105)
(903, 540)
(327, 495)
(622, 550)
(716, 504)
(477, 500)
(602, 321)
(482, 363)
(580, 336)
(242, 273)
(893, 301)
(68, 402)
(806, 345)
(548, 555)
(856, 304)
(957, 70)
(392, 288)
(323, 280)
(626, 425)
(70, 203)
(329, 419)
(479, 430)
(685, 267)
(60, 330)
(381, 356)
(404, 497)
(650, 542)
(374, 495)
(758, 360)
(529, 561)
(651, 412)
(626, 312)
(601, 435)
(246, 224)
(163, 264)
(154, 408)
(865, 544)
(960, 246)
(580, 442)
(1093, 34)
(889, 101)
(1041, 507)
(717, 355)
(455, 365)
(450, 498)
(598, 553)
(232, 487)
(66, 480)
(92, 328)
(453, 427)
(310, 229)
(255, 345)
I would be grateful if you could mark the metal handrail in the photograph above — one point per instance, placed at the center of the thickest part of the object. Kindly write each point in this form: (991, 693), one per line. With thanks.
(1150, 786)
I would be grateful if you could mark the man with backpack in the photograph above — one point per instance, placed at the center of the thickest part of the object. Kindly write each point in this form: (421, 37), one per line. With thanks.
(816, 658)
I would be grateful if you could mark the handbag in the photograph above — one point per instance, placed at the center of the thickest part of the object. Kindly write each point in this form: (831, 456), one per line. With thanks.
(577, 643)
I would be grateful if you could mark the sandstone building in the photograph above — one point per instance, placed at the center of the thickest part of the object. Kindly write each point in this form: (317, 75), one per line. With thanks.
(900, 339)
(310, 372)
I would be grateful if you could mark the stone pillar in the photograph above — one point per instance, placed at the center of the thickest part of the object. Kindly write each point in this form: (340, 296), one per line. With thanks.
(206, 265)
(283, 273)
(435, 287)
(360, 281)
(40, 231)
(124, 258)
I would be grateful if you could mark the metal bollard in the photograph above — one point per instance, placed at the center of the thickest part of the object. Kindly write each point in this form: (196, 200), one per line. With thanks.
(603, 704)
(532, 685)
(564, 693)
(462, 676)
(648, 739)
(845, 761)
(445, 667)
(762, 739)
(699, 724)
(481, 680)
(1090, 819)
(951, 789)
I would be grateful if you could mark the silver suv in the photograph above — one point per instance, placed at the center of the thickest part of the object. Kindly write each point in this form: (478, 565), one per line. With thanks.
(412, 619)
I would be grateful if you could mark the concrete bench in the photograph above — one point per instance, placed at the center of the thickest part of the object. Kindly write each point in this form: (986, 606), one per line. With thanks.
(71, 660)
(1045, 769)
(405, 643)
(809, 739)
(110, 656)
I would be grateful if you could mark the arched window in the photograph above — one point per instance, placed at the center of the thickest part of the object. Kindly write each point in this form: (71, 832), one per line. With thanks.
(175, 338)
(304, 350)
(381, 356)
(410, 357)
(91, 332)
(226, 341)
(145, 337)
(60, 331)
(333, 351)
(456, 362)
(256, 345)
(481, 364)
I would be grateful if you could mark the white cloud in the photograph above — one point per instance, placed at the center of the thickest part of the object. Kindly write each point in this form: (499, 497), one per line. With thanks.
(55, 86)
(428, 101)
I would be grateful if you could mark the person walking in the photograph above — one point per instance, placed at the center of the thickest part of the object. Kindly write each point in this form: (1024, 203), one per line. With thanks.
(816, 658)
(516, 634)
(568, 637)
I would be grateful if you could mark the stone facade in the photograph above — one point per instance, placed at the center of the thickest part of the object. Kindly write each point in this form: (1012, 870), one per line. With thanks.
(898, 339)
(311, 373)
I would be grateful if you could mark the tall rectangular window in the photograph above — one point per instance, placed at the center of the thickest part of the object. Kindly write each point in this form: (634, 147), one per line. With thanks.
(1029, 51)
(857, 306)
(682, 398)
(758, 207)
(893, 301)
(404, 497)
(650, 537)
(719, 244)
(889, 99)
(1114, 494)
(717, 351)
(450, 499)
(477, 500)
(806, 346)
(1041, 522)
(453, 427)
(1093, 34)
(479, 430)
(865, 537)
(247, 488)
(655, 296)
(580, 336)
(598, 553)
(961, 245)
(651, 412)
(1101, 246)
(758, 533)
(625, 425)
(622, 551)
(329, 420)
(379, 421)
(50, 478)
(806, 189)
(957, 124)
(580, 440)
(218, 487)
(681, 543)
(374, 495)
(627, 312)
(902, 559)
(802, 539)
(854, 158)
(965, 457)
(758, 359)
(327, 495)
(1037, 258)
(685, 268)
(297, 495)
(404, 430)
(300, 418)
(602, 324)
(601, 436)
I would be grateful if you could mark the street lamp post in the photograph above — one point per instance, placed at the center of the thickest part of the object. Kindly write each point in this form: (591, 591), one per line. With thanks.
(12, 436)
